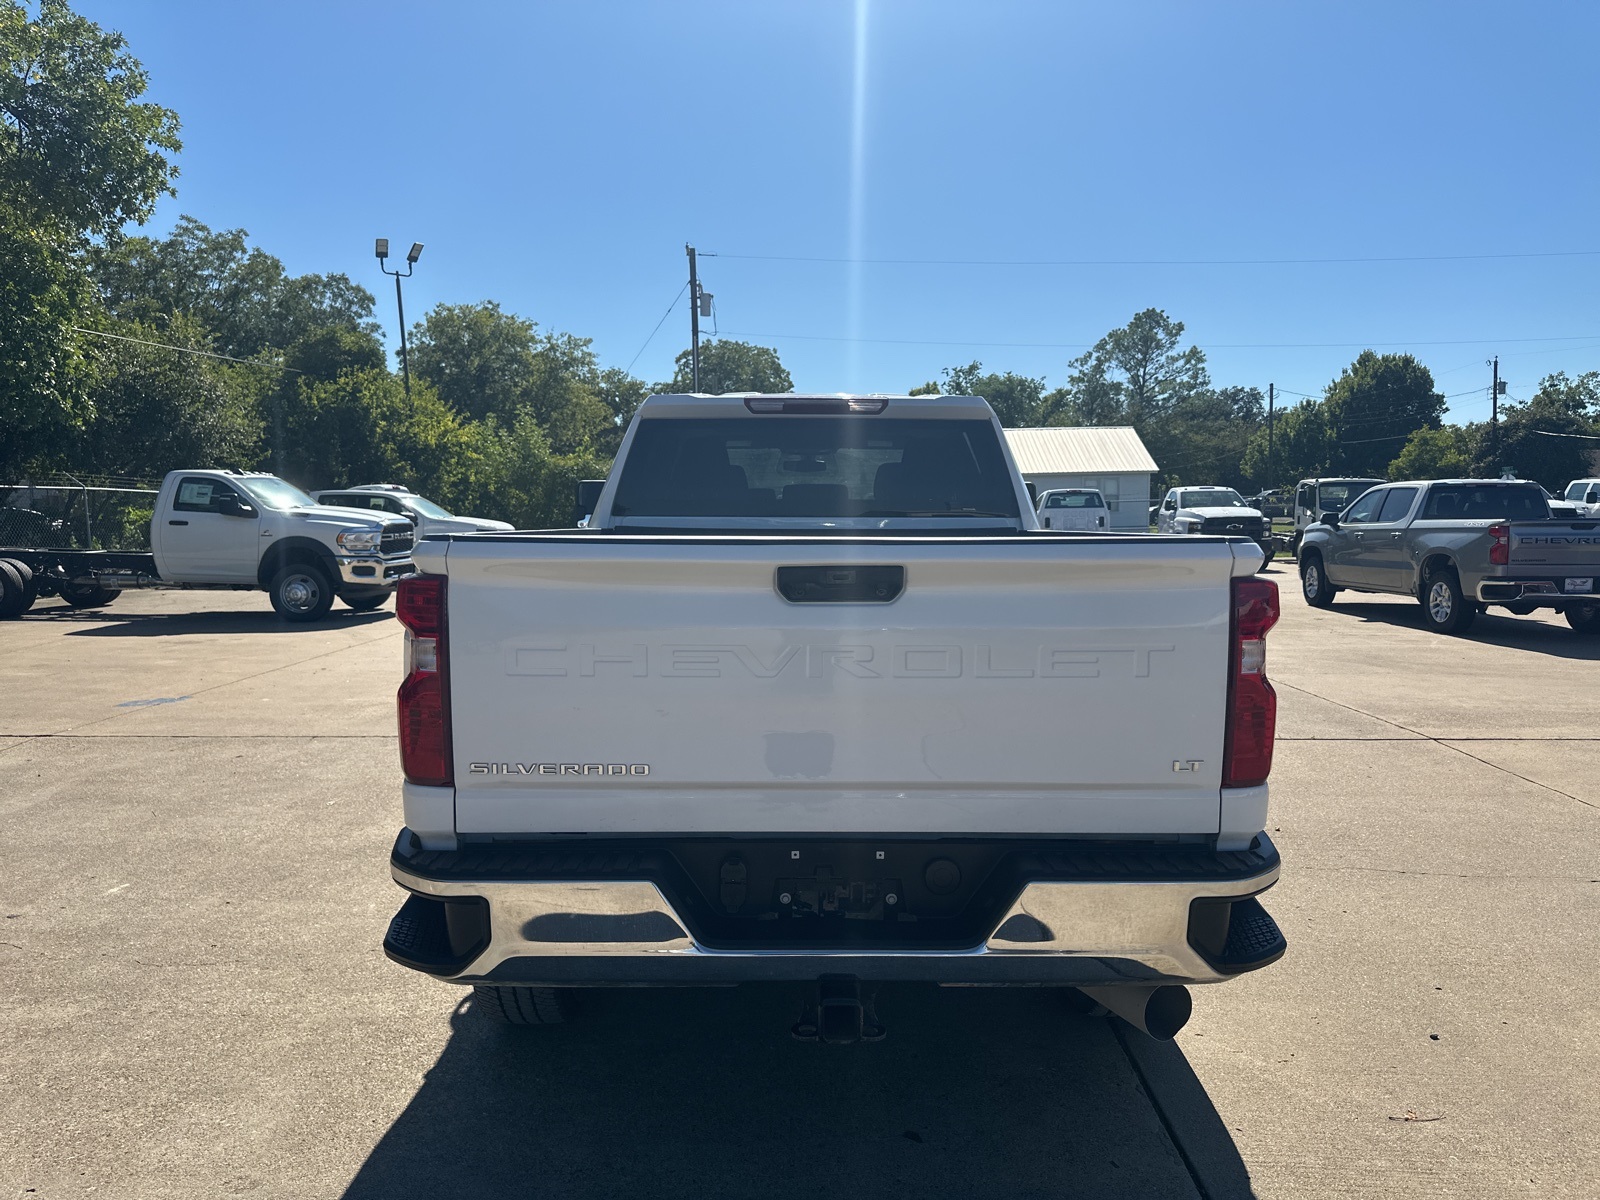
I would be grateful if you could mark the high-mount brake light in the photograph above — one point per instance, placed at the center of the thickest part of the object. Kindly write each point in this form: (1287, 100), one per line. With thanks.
(821, 405)
(423, 702)
(1252, 704)
(1500, 546)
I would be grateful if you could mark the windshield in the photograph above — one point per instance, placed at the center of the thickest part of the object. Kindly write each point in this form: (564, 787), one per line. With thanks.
(1339, 495)
(426, 507)
(815, 466)
(276, 493)
(1074, 500)
(1211, 498)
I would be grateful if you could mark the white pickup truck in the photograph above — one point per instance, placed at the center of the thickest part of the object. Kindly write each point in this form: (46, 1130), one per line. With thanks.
(786, 710)
(235, 530)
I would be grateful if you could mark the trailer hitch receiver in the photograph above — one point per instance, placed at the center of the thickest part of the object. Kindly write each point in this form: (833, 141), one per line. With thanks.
(837, 1012)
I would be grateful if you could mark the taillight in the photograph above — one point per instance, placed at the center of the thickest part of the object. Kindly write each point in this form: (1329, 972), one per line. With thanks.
(424, 703)
(1252, 704)
(1500, 545)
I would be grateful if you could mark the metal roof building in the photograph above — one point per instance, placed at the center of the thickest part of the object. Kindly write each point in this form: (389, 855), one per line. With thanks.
(1108, 457)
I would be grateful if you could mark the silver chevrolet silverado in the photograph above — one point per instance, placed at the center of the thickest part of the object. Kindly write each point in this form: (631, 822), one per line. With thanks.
(1457, 545)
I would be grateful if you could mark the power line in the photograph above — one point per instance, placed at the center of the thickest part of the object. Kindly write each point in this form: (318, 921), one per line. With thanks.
(810, 337)
(657, 329)
(249, 362)
(1587, 437)
(1152, 262)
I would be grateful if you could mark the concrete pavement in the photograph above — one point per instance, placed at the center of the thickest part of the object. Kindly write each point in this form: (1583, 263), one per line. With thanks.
(199, 802)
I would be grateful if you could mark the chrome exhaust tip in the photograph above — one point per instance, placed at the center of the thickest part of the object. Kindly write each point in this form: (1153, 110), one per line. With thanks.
(1159, 1011)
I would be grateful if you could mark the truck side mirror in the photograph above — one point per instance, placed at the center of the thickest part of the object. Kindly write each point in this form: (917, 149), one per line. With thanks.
(1331, 517)
(588, 495)
(1592, 497)
(232, 506)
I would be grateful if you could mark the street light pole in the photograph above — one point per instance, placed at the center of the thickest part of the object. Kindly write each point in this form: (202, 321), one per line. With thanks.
(381, 249)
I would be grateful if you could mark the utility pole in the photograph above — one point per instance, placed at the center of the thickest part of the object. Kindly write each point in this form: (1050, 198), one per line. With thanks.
(694, 317)
(1494, 418)
(1272, 388)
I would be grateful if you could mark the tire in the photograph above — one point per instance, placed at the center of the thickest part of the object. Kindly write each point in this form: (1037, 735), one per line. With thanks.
(1267, 555)
(87, 595)
(1294, 547)
(301, 591)
(1584, 617)
(14, 598)
(1445, 608)
(362, 603)
(1314, 585)
(518, 1004)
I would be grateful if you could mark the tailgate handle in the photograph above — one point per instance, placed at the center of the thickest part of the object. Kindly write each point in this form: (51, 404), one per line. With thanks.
(841, 584)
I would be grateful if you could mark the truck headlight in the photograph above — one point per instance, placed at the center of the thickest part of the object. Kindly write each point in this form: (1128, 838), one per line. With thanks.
(359, 541)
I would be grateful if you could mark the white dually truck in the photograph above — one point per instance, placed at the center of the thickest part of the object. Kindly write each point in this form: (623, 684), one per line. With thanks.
(234, 530)
(788, 709)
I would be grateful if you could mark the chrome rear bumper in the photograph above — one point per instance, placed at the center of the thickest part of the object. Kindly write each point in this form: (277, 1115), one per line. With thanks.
(595, 931)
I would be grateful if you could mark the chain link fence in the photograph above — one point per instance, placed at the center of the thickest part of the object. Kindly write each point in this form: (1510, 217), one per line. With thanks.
(95, 513)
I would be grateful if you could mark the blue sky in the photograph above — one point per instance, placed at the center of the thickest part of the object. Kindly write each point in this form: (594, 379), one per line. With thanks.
(556, 158)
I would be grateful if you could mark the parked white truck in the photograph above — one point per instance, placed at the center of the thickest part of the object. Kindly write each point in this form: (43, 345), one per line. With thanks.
(229, 529)
(788, 710)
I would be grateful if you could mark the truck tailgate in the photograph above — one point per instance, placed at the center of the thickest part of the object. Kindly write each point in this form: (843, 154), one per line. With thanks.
(618, 684)
(1569, 547)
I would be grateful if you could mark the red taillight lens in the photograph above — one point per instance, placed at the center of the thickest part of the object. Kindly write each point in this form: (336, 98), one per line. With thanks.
(1252, 704)
(420, 604)
(423, 702)
(1500, 547)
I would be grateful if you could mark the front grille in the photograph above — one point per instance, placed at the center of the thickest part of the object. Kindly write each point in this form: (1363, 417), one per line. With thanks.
(398, 538)
(1250, 527)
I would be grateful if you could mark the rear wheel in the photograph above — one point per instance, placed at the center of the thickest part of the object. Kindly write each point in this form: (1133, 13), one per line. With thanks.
(302, 592)
(1445, 608)
(14, 596)
(1584, 617)
(87, 595)
(1314, 583)
(1267, 553)
(521, 1005)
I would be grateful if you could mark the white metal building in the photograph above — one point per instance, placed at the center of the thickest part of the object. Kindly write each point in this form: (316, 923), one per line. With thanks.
(1108, 457)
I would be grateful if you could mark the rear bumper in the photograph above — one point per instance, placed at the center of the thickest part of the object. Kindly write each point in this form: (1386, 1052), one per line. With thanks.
(1545, 590)
(621, 913)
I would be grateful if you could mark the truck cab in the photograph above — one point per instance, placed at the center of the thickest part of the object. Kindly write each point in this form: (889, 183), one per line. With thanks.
(1081, 509)
(430, 519)
(254, 530)
(1313, 497)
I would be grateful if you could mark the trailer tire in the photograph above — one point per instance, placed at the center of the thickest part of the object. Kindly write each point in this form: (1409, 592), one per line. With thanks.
(519, 1004)
(301, 591)
(1584, 617)
(14, 598)
(87, 595)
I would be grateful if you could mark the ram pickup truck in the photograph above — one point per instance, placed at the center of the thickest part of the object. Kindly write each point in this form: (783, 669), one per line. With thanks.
(1457, 545)
(234, 530)
(787, 710)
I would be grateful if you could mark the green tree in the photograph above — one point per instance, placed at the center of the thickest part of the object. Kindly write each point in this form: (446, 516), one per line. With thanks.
(1377, 402)
(80, 153)
(156, 411)
(80, 156)
(478, 356)
(1137, 374)
(1302, 447)
(730, 366)
(242, 294)
(1442, 453)
(1017, 400)
(1543, 439)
